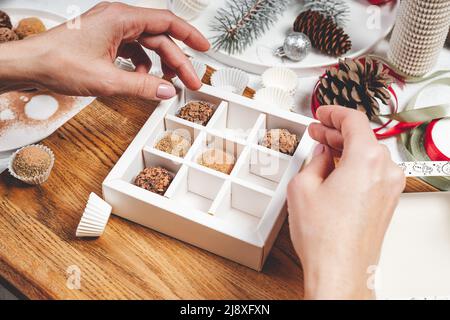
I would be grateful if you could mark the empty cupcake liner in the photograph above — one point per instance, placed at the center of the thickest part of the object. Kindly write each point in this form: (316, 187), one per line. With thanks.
(34, 180)
(156, 69)
(95, 217)
(231, 80)
(200, 68)
(282, 78)
(4, 163)
(275, 97)
(188, 9)
(124, 64)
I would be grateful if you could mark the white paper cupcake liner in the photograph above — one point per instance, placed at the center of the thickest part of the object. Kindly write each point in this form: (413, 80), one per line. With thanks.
(34, 180)
(200, 68)
(187, 9)
(4, 163)
(275, 97)
(124, 64)
(282, 78)
(95, 217)
(231, 80)
(156, 69)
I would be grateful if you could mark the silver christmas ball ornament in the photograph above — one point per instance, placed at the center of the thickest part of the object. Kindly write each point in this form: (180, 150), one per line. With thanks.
(296, 47)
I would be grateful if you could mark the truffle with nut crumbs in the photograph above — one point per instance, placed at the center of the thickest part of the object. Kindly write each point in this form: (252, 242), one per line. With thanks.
(29, 27)
(199, 112)
(5, 20)
(174, 143)
(7, 35)
(31, 162)
(281, 140)
(218, 160)
(154, 179)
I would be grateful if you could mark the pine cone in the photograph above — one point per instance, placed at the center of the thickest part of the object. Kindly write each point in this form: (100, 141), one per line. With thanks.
(324, 33)
(357, 85)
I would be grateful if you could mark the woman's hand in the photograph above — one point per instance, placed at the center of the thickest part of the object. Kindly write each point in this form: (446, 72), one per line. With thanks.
(79, 61)
(339, 215)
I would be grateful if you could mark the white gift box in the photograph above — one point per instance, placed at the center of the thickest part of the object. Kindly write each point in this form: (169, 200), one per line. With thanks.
(415, 259)
(236, 216)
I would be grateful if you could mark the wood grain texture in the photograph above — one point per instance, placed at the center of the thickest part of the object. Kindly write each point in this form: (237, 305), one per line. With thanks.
(37, 229)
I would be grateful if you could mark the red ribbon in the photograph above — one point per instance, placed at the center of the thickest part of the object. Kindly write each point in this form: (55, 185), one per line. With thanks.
(432, 150)
(379, 2)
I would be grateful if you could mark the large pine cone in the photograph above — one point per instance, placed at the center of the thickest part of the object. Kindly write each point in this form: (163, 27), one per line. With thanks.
(324, 33)
(356, 84)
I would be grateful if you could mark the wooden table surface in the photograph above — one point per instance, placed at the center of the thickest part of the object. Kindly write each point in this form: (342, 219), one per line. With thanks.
(37, 229)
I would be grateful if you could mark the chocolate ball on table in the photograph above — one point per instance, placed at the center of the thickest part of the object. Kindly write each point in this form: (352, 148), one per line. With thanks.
(29, 27)
(5, 21)
(7, 35)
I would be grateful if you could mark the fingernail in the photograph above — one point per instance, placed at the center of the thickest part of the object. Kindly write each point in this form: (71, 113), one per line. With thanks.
(166, 91)
(318, 150)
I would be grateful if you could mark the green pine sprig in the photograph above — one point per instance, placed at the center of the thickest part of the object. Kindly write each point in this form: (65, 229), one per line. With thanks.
(338, 10)
(241, 22)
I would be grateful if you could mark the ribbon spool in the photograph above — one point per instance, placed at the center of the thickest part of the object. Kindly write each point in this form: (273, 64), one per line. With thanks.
(418, 144)
(434, 146)
(416, 125)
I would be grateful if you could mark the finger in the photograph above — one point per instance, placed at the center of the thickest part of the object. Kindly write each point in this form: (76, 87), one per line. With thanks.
(353, 125)
(327, 136)
(136, 53)
(141, 85)
(156, 22)
(320, 167)
(174, 58)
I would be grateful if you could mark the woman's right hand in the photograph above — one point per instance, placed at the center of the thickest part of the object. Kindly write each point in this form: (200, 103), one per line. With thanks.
(78, 58)
(339, 214)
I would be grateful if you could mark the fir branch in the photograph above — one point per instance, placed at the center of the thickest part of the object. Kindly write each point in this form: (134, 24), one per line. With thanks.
(241, 22)
(338, 10)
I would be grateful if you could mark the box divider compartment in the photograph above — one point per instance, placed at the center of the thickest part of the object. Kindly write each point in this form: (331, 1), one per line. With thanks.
(196, 189)
(219, 115)
(234, 216)
(263, 167)
(260, 126)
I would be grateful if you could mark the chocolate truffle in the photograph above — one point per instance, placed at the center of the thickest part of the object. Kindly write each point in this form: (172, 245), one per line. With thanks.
(174, 143)
(199, 112)
(5, 21)
(7, 35)
(218, 160)
(280, 140)
(154, 179)
(31, 162)
(30, 26)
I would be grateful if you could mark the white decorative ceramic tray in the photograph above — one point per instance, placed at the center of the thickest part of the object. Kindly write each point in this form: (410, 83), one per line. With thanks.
(367, 26)
(236, 216)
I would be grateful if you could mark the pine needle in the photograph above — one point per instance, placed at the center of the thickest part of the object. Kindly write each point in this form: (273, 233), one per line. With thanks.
(242, 22)
(338, 10)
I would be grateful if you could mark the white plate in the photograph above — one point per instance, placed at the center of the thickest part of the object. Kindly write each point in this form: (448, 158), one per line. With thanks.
(363, 32)
(19, 134)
